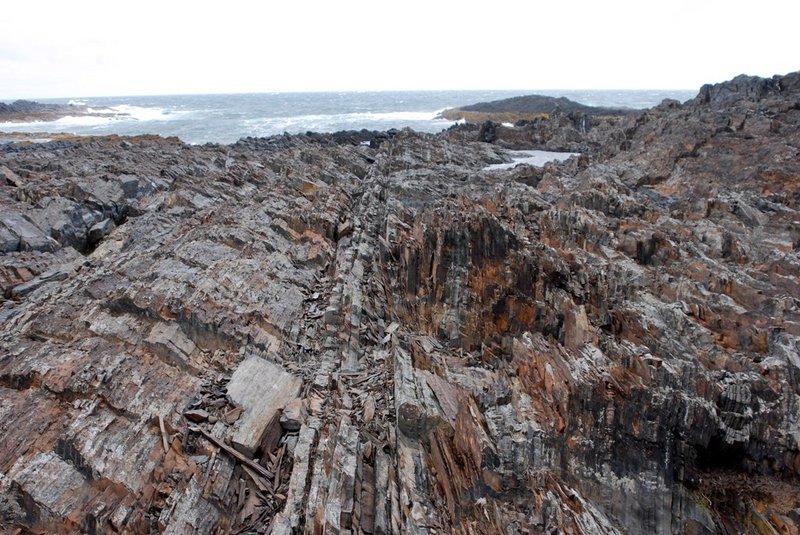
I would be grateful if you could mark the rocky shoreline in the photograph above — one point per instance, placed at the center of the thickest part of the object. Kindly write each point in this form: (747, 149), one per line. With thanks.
(23, 111)
(372, 333)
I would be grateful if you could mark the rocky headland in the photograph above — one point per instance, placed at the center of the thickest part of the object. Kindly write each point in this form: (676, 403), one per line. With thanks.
(372, 333)
(23, 111)
(527, 108)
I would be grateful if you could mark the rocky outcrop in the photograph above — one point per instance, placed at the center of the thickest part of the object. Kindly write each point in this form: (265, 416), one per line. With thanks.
(375, 334)
(529, 108)
(542, 104)
(28, 110)
(29, 107)
(745, 88)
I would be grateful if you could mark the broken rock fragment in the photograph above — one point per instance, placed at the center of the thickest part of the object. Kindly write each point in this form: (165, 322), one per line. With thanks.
(262, 389)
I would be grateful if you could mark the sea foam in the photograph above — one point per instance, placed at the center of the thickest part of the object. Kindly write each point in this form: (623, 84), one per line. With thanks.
(262, 126)
(139, 113)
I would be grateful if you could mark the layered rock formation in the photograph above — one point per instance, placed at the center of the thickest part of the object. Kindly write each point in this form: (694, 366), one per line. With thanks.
(309, 334)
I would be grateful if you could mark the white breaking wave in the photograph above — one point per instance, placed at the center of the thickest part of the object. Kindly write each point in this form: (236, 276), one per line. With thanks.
(393, 116)
(342, 121)
(139, 113)
(357, 117)
(77, 102)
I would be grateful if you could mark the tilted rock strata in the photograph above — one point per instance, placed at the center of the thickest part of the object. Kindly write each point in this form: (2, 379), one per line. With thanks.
(608, 345)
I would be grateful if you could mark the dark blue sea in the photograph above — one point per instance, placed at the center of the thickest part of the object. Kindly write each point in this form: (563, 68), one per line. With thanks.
(227, 118)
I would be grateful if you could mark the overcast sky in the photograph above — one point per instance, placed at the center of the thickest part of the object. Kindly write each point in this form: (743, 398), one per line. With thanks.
(60, 48)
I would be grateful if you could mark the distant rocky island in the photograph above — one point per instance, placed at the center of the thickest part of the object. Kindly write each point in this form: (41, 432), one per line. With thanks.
(383, 332)
(526, 108)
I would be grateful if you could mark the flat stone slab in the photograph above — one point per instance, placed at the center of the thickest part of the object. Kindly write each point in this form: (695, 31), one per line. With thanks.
(262, 389)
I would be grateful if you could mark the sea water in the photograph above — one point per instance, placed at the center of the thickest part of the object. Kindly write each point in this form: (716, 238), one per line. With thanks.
(536, 158)
(227, 118)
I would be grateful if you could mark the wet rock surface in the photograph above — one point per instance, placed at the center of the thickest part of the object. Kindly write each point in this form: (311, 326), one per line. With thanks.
(372, 333)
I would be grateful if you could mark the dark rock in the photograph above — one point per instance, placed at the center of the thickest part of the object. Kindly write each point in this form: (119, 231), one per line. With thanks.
(130, 185)
(742, 87)
(100, 230)
(488, 132)
(9, 241)
(63, 219)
